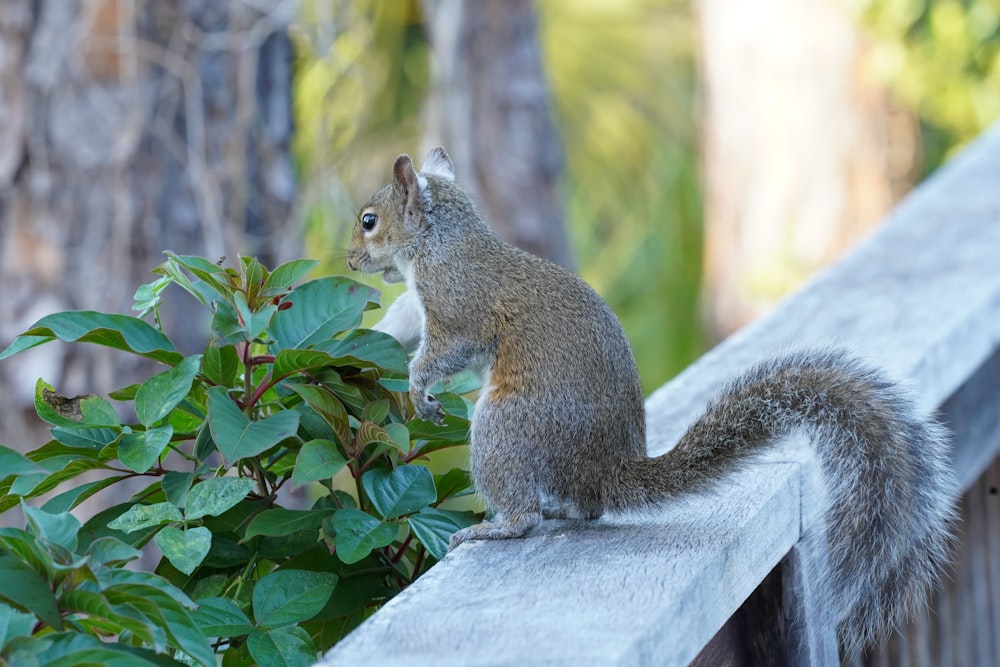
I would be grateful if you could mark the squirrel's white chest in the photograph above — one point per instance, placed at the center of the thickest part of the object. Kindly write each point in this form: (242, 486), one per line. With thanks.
(404, 320)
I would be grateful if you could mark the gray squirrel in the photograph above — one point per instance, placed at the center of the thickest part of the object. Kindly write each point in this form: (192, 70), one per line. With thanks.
(559, 426)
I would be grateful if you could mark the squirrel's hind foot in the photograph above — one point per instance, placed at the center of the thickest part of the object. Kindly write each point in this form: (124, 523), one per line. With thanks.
(499, 529)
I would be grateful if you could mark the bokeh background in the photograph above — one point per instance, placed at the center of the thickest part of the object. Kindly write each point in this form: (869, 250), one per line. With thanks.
(692, 160)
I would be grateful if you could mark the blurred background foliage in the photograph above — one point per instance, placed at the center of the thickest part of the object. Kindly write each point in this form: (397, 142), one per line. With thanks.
(624, 78)
(941, 58)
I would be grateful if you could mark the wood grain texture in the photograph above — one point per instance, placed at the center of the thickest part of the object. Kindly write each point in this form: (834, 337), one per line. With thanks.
(921, 297)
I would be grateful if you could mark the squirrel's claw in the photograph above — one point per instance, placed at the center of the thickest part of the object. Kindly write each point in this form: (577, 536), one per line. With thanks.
(430, 409)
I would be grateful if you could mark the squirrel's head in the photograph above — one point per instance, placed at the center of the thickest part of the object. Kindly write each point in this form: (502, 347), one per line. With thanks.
(384, 238)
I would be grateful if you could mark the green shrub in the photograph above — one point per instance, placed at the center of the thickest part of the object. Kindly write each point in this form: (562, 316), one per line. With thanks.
(289, 390)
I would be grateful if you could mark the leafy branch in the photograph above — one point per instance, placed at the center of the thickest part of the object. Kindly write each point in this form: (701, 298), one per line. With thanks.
(287, 390)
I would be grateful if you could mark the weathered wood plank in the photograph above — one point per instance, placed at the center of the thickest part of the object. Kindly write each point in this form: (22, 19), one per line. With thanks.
(921, 297)
(570, 593)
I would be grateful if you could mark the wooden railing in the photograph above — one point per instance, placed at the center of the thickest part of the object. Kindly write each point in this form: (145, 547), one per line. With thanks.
(921, 298)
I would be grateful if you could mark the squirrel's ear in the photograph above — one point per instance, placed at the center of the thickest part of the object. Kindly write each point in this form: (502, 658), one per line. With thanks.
(405, 174)
(437, 163)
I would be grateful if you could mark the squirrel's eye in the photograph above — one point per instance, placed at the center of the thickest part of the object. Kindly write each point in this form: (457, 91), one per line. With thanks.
(368, 221)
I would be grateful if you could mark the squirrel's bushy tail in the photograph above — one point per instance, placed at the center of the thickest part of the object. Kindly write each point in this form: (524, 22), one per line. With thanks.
(889, 486)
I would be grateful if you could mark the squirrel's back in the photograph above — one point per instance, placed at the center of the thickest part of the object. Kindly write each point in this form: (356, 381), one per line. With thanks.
(549, 333)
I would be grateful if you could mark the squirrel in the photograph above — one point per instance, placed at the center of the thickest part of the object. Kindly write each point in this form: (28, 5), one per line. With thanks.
(559, 426)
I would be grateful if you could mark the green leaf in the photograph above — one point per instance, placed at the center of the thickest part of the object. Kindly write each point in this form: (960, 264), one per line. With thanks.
(26, 548)
(404, 490)
(289, 362)
(235, 520)
(188, 417)
(322, 309)
(226, 554)
(128, 618)
(254, 323)
(54, 454)
(58, 410)
(30, 485)
(454, 429)
(454, 404)
(69, 499)
(220, 365)
(287, 274)
(139, 450)
(91, 438)
(434, 527)
(162, 393)
(13, 463)
(359, 533)
(200, 290)
(399, 437)
(284, 463)
(112, 552)
(147, 297)
(120, 332)
(318, 459)
(220, 617)
(281, 521)
(349, 394)
(145, 516)
(212, 278)
(253, 276)
(185, 549)
(97, 527)
(366, 349)
(326, 406)
(225, 325)
(14, 624)
(398, 385)
(26, 590)
(376, 411)
(369, 433)
(284, 597)
(61, 528)
(75, 649)
(160, 601)
(97, 411)
(207, 586)
(214, 496)
(462, 382)
(452, 484)
(395, 435)
(282, 647)
(176, 485)
(148, 580)
(236, 436)
(125, 393)
(204, 445)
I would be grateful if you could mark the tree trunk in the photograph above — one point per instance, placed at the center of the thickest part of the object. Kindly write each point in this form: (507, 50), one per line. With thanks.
(802, 153)
(490, 108)
(128, 128)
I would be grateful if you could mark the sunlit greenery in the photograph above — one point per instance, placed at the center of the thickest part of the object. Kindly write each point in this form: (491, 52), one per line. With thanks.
(361, 75)
(622, 74)
(941, 58)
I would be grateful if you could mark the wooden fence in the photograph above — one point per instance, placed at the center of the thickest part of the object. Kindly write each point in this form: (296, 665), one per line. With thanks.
(921, 298)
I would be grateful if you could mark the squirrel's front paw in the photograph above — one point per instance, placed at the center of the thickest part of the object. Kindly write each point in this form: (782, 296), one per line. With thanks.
(428, 407)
